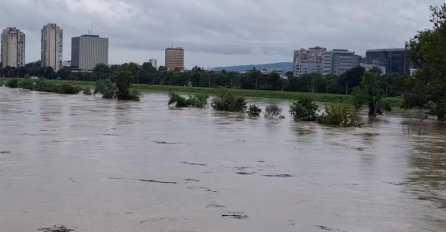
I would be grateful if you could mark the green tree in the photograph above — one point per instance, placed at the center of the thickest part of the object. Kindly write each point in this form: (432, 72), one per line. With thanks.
(428, 50)
(371, 92)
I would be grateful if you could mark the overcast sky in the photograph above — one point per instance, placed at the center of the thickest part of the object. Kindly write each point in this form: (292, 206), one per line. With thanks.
(221, 32)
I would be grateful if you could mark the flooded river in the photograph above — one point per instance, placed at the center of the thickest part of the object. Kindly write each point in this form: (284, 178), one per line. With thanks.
(97, 165)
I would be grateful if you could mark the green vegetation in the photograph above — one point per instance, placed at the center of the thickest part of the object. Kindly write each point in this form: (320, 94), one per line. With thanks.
(12, 83)
(86, 91)
(371, 92)
(338, 114)
(304, 109)
(197, 101)
(226, 101)
(428, 50)
(123, 81)
(105, 87)
(272, 111)
(254, 111)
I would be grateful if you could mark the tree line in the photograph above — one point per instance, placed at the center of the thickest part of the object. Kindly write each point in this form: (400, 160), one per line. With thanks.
(396, 85)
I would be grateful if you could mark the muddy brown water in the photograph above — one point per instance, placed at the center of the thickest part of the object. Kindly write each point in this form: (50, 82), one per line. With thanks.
(96, 165)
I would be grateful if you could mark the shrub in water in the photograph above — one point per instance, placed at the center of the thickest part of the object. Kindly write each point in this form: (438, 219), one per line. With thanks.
(254, 110)
(198, 101)
(66, 89)
(227, 102)
(105, 87)
(87, 91)
(26, 84)
(13, 83)
(304, 109)
(272, 111)
(178, 100)
(338, 114)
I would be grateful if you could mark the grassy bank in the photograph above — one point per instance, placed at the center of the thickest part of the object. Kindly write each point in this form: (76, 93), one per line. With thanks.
(319, 97)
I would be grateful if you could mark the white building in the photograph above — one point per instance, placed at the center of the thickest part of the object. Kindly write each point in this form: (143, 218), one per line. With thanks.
(13, 47)
(154, 63)
(339, 61)
(87, 51)
(52, 46)
(308, 61)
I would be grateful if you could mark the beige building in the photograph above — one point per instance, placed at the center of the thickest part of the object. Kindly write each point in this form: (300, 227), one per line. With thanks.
(13, 47)
(52, 45)
(174, 59)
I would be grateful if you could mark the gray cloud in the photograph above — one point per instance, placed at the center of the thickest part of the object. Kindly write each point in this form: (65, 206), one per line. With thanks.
(216, 32)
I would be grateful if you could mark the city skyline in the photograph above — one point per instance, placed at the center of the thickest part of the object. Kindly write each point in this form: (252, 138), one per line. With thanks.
(211, 31)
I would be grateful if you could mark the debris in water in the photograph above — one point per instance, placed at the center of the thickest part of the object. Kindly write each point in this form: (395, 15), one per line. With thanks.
(280, 175)
(56, 229)
(194, 164)
(213, 205)
(233, 215)
(5, 152)
(329, 229)
(201, 187)
(165, 143)
(145, 180)
(192, 180)
(245, 173)
(157, 181)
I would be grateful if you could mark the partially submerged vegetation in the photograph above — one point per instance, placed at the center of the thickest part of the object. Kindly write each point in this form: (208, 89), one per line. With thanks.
(254, 111)
(43, 85)
(197, 101)
(304, 109)
(339, 114)
(272, 111)
(226, 101)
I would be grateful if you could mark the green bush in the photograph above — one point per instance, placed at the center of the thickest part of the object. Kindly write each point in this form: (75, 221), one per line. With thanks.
(135, 95)
(45, 86)
(338, 114)
(105, 87)
(178, 100)
(272, 111)
(86, 91)
(67, 89)
(13, 83)
(26, 84)
(2, 81)
(227, 102)
(304, 109)
(198, 101)
(254, 110)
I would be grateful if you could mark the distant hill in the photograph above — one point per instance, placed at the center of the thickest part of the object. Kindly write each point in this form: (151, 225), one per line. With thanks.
(285, 66)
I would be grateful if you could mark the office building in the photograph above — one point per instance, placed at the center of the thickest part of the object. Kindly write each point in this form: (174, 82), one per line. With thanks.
(87, 51)
(395, 60)
(174, 59)
(308, 61)
(52, 46)
(13, 48)
(154, 63)
(339, 61)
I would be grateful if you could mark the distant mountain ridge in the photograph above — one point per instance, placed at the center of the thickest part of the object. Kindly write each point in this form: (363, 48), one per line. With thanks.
(284, 66)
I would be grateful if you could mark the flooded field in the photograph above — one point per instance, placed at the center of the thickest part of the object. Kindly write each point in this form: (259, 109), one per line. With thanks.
(96, 165)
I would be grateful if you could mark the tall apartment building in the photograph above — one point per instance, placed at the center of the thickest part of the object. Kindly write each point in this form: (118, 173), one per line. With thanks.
(174, 59)
(13, 47)
(395, 60)
(339, 61)
(154, 63)
(308, 61)
(87, 51)
(52, 46)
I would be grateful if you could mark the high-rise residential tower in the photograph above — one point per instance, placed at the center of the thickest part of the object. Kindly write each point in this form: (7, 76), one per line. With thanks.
(87, 51)
(52, 46)
(13, 47)
(308, 61)
(174, 59)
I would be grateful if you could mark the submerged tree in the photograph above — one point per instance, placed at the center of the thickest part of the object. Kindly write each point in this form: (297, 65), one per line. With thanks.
(428, 50)
(371, 92)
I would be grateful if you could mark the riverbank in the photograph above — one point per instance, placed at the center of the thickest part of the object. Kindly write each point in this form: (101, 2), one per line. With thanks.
(319, 97)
